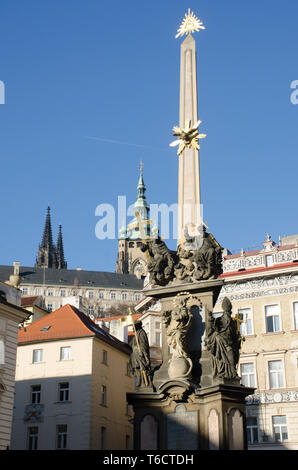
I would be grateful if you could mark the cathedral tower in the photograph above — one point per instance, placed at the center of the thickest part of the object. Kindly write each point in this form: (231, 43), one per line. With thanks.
(48, 256)
(131, 260)
(62, 264)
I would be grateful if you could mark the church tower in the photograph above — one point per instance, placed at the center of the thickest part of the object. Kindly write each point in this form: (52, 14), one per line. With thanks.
(48, 256)
(62, 264)
(131, 260)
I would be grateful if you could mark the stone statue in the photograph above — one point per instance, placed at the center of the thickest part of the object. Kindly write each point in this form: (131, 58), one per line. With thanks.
(162, 261)
(184, 268)
(177, 323)
(198, 258)
(139, 362)
(207, 258)
(223, 341)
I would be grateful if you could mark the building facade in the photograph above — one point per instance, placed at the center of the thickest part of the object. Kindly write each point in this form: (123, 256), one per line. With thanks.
(71, 384)
(263, 286)
(98, 291)
(35, 308)
(11, 315)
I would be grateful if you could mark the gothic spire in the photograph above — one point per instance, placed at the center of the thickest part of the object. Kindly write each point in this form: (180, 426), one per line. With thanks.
(47, 238)
(47, 252)
(62, 264)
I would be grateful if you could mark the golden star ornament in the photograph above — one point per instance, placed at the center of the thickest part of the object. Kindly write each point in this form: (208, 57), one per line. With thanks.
(187, 137)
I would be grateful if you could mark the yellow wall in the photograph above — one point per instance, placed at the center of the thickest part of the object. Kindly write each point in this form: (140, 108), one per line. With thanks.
(113, 416)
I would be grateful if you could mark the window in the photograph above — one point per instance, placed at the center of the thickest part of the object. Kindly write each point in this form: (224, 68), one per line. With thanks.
(104, 357)
(272, 318)
(61, 436)
(280, 429)
(124, 296)
(35, 393)
(64, 391)
(295, 308)
(90, 294)
(137, 297)
(50, 307)
(37, 291)
(113, 295)
(246, 326)
(25, 290)
(100, 295)
(269, 261)
(37, 355)
(248, 375)
(157, 325)
(50, 292)
(90, 310)
(65, 353)
(103, 391)
(103, 437)
(157, 338)
(252, 430)
(276, 376)
(32, 437)
(2, 352)
(46, 328)
(62, 293)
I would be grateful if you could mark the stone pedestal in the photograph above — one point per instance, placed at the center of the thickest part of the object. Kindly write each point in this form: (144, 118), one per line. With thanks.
(207, 293)
(181, 417)
(189, 411)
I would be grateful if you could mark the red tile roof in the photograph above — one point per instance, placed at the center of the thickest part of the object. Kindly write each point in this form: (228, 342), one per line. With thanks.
(66, 322)
(28, 300)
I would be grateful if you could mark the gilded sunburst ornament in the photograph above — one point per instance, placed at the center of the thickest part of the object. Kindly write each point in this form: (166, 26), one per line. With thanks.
(189, 24)
(187, 137)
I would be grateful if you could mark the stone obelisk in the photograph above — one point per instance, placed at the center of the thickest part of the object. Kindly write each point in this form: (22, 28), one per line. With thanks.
(189, 210)
(193, 399)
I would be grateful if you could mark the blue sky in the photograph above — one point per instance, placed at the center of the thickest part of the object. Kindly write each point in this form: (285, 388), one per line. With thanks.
(76, 69)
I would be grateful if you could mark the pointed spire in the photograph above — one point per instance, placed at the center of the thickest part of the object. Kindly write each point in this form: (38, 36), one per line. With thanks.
(46, 251)
(141, 203)
(142, 208)
(60, 251)
(47, 238)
